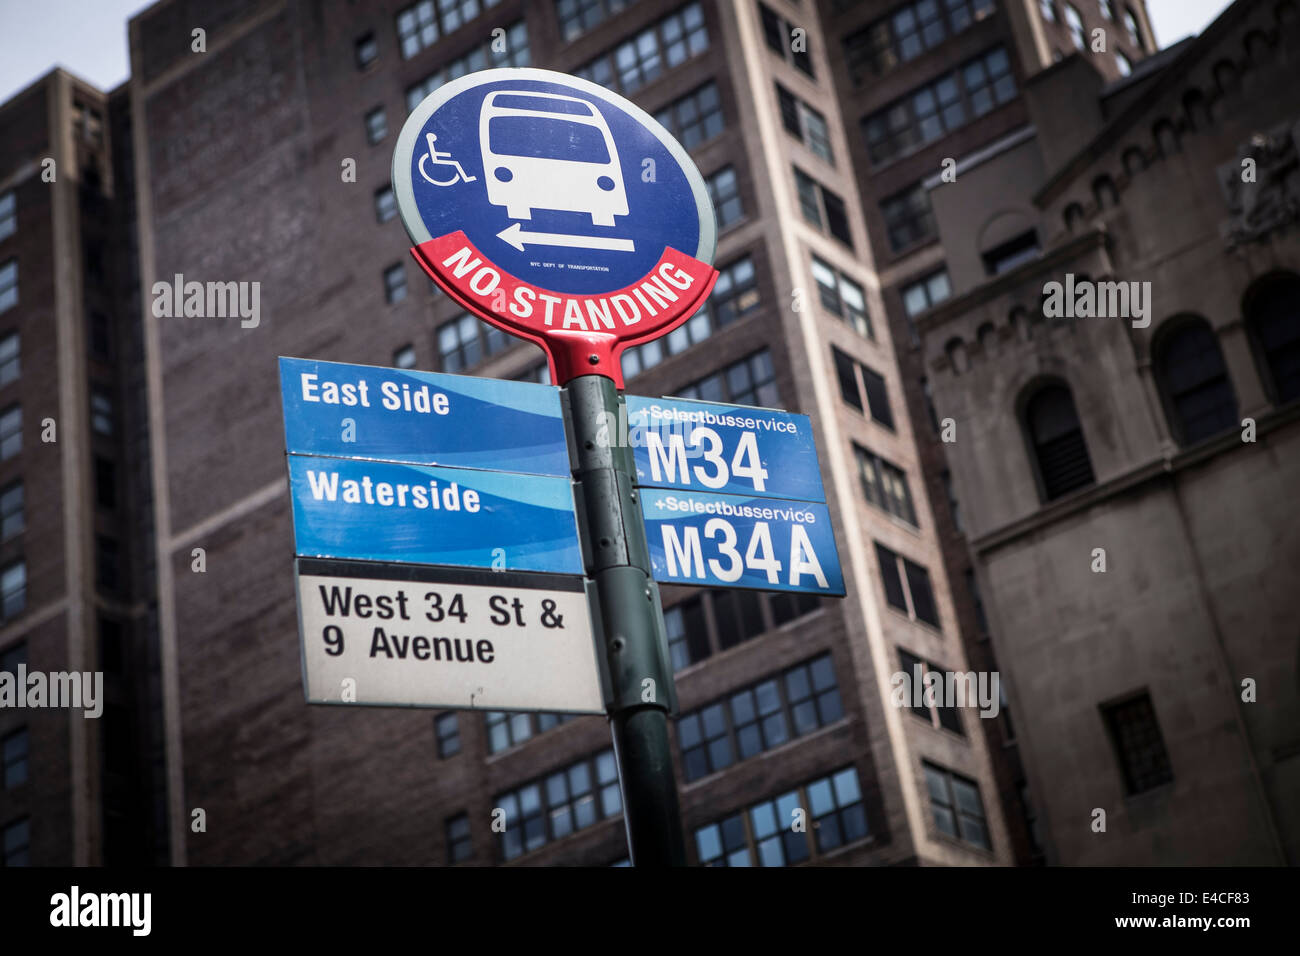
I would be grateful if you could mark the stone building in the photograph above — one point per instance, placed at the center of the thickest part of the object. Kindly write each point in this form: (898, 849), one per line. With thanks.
(1125, 469)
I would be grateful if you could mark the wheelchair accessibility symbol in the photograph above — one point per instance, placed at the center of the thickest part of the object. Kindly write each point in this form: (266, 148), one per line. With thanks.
(436, 157)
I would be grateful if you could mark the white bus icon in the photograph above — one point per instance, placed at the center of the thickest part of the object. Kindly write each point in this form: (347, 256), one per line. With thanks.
(546, 151)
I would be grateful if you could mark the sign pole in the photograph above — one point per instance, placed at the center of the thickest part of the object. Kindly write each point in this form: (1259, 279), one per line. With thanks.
(642, 690)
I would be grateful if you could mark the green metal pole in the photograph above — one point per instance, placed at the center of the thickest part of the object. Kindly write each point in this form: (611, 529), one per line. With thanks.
(636, 649)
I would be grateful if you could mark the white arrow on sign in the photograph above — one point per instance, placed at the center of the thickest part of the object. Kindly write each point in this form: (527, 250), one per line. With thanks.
(515, 236)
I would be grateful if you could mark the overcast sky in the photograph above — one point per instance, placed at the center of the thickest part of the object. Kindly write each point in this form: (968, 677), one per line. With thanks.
(88, 37)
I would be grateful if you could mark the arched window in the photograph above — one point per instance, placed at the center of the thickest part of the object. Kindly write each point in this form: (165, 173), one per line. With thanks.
(988, 338)
(1225, 75)
(1194, 107)
(956, 350)
(1073, 216)
(1103, 190)
(1257, 46)
(1272, 310)
(1166, 138)
(1194, 382)
(1134, 161)
(1019, 322)
(1056, 441)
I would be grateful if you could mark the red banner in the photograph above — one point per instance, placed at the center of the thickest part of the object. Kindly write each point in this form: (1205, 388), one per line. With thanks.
(581, 334)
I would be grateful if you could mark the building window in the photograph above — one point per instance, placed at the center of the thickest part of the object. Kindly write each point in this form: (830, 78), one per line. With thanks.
(938, 712)
(419, 26)
(751, 381)
(1014, 252)
(14, 844)
(539, 373)
(105, 483)
(1122, 64)
(1191, 374)
(1131, 25)
(735, 294)
(1056, 439)
(695, 118)
(907, 32)
(956, 805)
(404, 357)
(12, 656)
(101, 410)
(908, 218)
(862, 388)
(642, 59)
(805, 123)
(907, 586)
(416, 28)
(394, 284)
(780, 37)
(376, 125)
(367, 51)
(759, 717)
(725, 195)
(924, 294)
(841, 295)
(1272, 310)
(578, 16)
(9, 358)
(1048, 9)
(8, 215)
(688, 636)
(1135, 733)
(11, 510)
(884, 485)
(385, 204)
(762, 834)
(465, 341)
(13, 590)
(106, 567)
(513, 52)
(11, 431)
(13, 754)
(930, 112)
(101, 338)
(446, 728)
(564, 802)
(459, 845)
(8, 285)
(505, 730)
(1075, 24)
(739, 616)
(1107, 10)
(823, 208)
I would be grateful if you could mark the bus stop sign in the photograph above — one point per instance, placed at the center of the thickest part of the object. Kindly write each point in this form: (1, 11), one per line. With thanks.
(557, 211)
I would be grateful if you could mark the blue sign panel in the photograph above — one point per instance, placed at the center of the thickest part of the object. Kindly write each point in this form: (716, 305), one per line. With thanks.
(415, 514)
(559, 182)
(388, 414)
(731, 541)
(734, 449)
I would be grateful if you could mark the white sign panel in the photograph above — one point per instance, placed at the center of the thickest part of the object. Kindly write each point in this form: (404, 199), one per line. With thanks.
(445, 637)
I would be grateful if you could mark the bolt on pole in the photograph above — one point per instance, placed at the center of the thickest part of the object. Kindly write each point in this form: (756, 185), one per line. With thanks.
(642, 690)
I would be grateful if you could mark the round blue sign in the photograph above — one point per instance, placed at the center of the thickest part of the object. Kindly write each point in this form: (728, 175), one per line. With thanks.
(554, 180)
